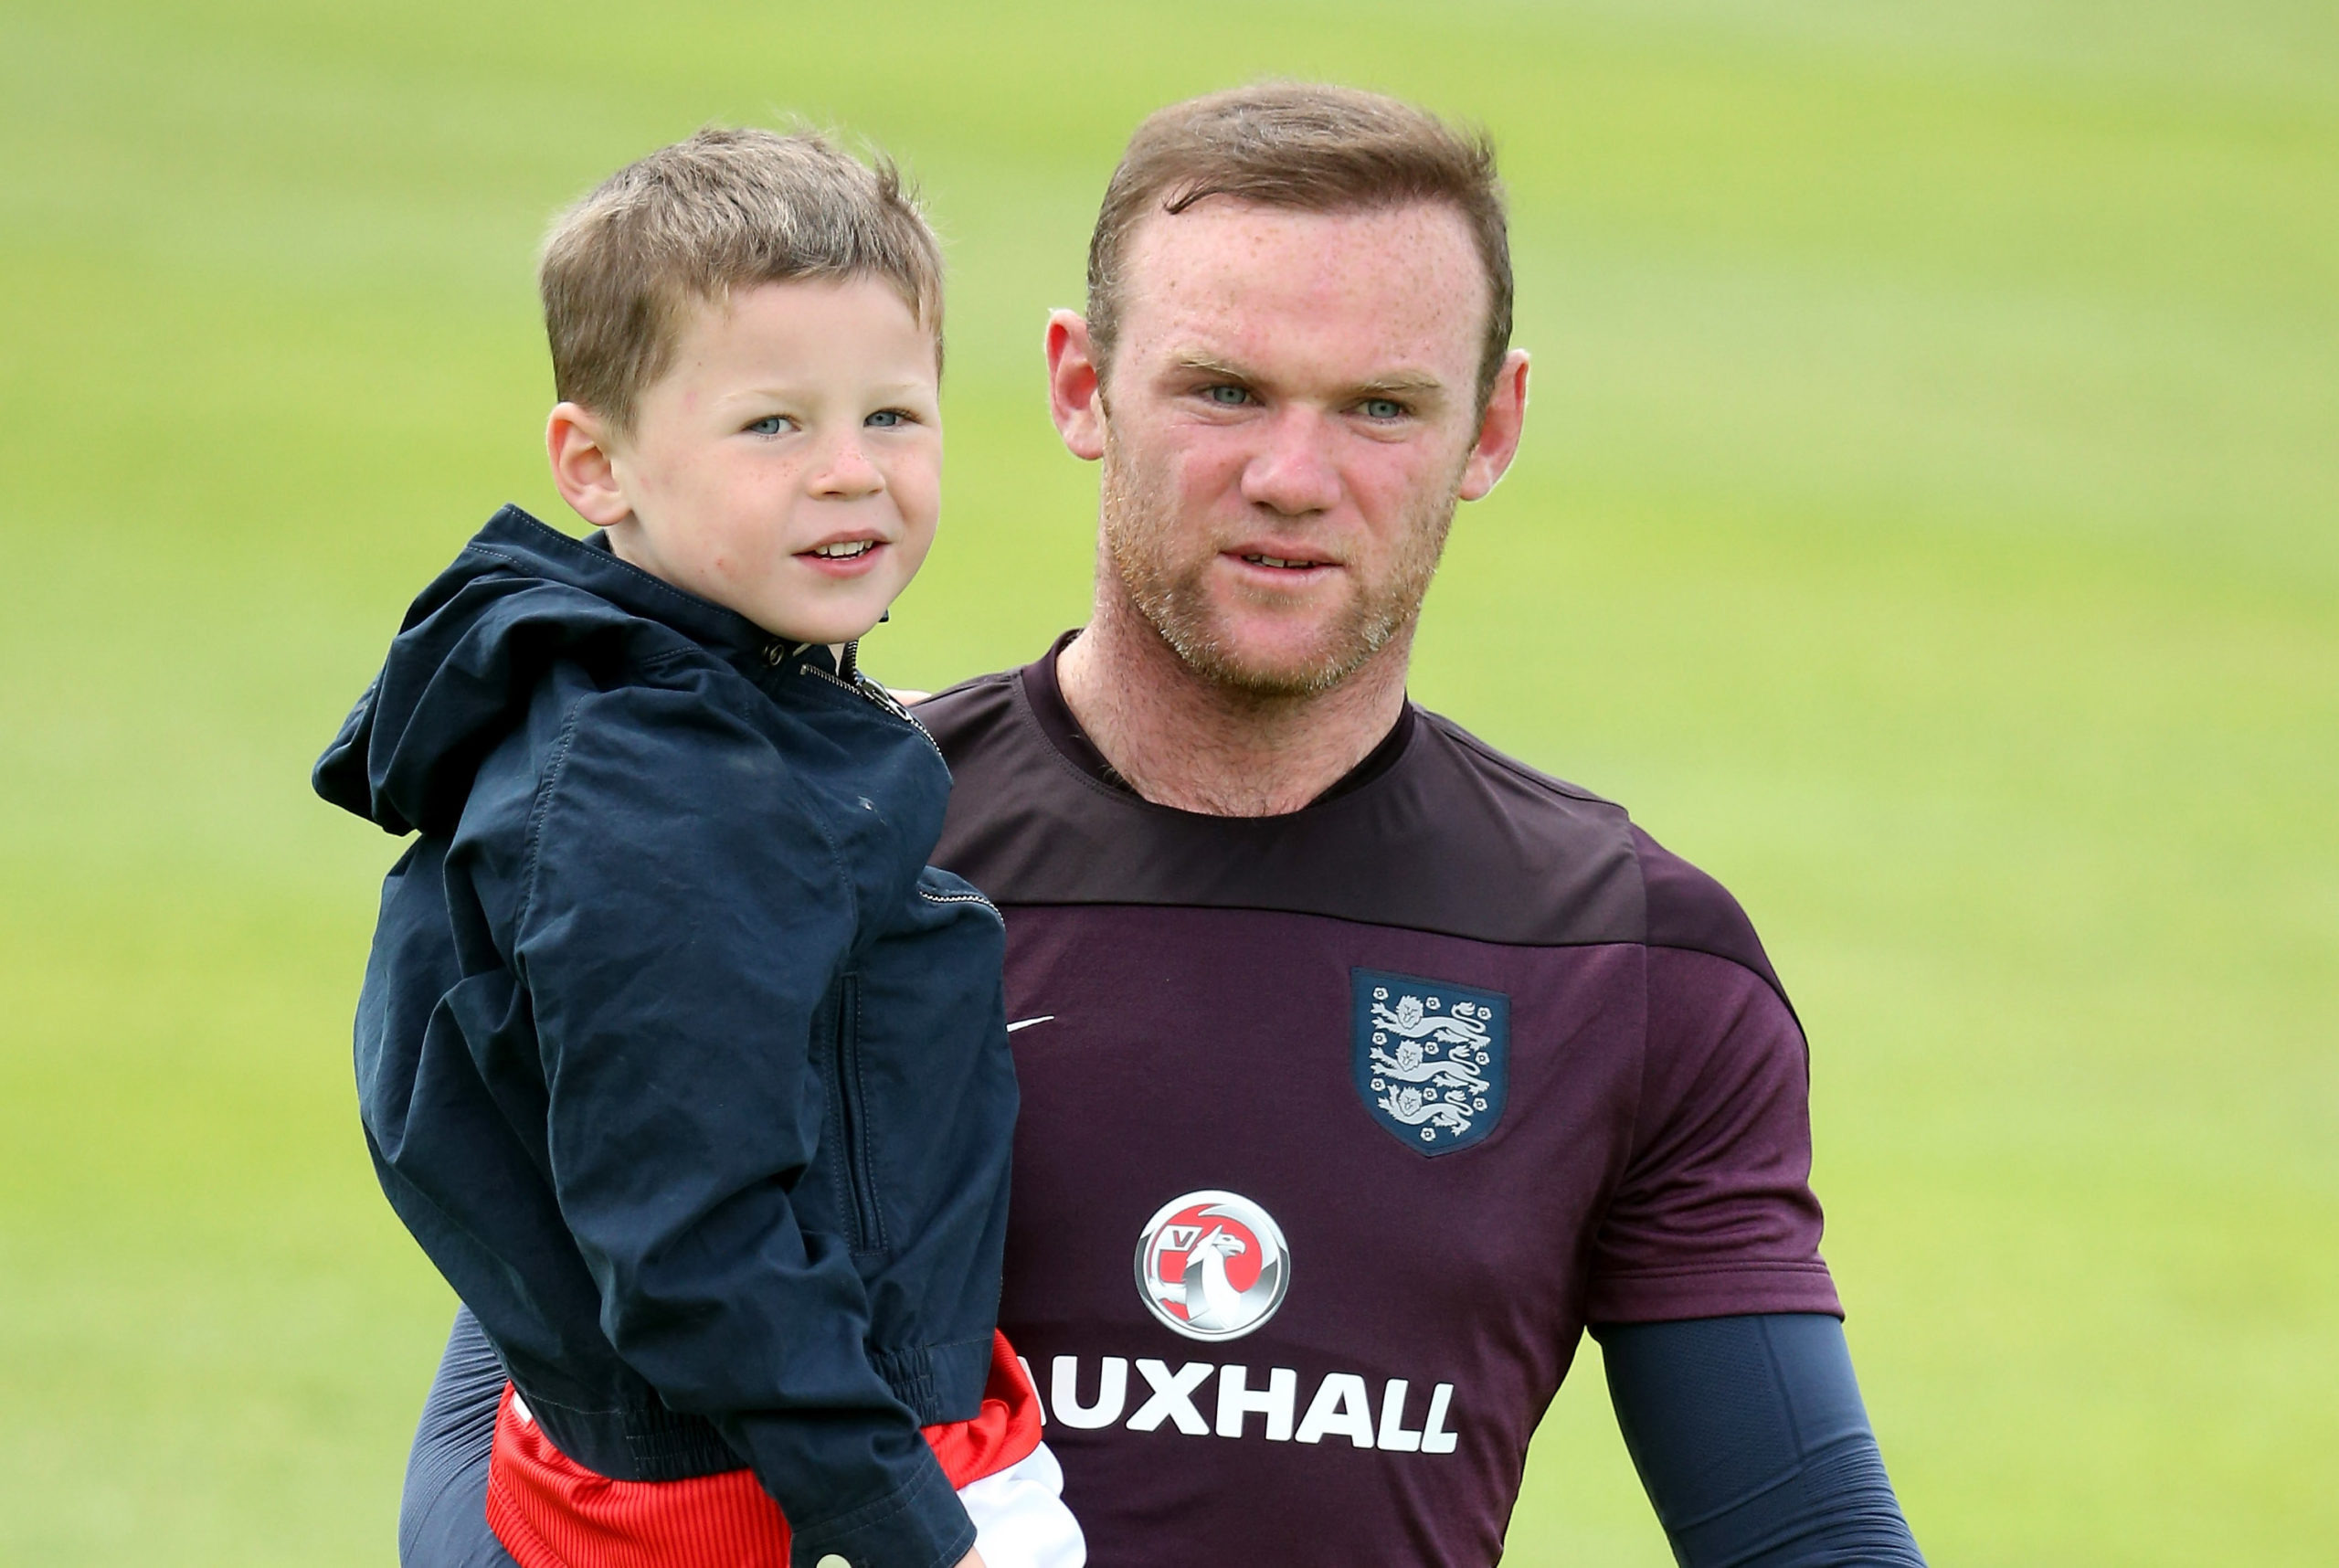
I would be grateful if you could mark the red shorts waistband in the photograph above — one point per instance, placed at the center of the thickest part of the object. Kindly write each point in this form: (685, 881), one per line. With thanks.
(550, 1511)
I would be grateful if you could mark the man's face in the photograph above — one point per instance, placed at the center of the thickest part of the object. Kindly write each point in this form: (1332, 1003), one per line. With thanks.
(789, 465)
(1288, 418)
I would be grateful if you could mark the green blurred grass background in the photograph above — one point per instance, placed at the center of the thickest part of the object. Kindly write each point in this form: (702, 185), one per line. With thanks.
(1929, 522)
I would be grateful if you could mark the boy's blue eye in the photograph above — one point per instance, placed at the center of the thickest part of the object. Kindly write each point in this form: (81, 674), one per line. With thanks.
(769, 425)
(1383, 408)
(886, 418)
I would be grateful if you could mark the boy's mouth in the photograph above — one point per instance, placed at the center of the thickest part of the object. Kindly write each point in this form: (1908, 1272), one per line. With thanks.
(843, 549)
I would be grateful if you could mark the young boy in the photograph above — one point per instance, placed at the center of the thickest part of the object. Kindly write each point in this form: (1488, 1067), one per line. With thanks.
(681, 1063)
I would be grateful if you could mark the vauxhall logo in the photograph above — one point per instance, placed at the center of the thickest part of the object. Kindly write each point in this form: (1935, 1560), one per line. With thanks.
(1341, 1406)
(1214, 1266)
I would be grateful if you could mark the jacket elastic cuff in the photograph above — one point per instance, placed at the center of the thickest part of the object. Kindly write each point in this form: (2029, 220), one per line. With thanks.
(923, 1525)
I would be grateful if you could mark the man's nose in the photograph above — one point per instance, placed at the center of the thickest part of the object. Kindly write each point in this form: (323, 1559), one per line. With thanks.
(844, 472)
(1293, 473)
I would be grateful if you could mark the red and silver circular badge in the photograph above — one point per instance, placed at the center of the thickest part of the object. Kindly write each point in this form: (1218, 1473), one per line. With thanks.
(1213, 1266)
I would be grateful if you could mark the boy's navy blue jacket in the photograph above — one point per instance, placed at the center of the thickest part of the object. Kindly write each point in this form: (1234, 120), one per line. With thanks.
(682, 1065)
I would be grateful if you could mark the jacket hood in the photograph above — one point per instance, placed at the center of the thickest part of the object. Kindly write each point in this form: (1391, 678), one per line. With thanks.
(474, 646)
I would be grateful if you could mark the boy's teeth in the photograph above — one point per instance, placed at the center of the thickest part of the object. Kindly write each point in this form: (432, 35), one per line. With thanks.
(845, 551)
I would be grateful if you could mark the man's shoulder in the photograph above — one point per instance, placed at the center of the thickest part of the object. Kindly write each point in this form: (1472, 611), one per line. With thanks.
(1681, 905)
(1540, 803)
(1690, 910)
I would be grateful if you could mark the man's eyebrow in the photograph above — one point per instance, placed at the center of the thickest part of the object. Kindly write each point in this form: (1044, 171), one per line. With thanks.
(1209, 365)
(1404, 383)
(1414, 384)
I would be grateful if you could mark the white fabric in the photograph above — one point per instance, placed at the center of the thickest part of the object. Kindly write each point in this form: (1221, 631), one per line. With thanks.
(1019, 1517)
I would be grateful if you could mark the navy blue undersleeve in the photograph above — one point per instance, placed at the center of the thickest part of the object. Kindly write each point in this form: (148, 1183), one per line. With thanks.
(442, 1517)
(1750, 1438)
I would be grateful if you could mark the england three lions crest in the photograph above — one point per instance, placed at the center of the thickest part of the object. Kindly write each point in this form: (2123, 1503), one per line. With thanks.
(1433, 1059)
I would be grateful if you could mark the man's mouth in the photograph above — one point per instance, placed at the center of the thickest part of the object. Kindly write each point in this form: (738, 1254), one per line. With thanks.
(1281, 563)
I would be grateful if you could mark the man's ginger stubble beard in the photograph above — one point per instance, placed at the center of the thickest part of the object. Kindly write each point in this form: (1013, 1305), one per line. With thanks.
(1139, 526)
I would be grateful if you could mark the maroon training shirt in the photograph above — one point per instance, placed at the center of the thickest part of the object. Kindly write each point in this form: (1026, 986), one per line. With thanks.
(1339, 1127)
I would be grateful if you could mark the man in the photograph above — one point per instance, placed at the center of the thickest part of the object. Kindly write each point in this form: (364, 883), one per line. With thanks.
(1363, 1068)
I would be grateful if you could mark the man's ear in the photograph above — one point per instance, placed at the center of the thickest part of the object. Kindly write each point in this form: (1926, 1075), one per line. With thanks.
(1075, 387)
(1498, 430)
(584, 468)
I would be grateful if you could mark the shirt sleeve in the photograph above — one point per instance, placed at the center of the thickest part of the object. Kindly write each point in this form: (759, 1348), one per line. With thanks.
(1714, 1214)
(684, 915)
(1750, 1437)
(442, 1512)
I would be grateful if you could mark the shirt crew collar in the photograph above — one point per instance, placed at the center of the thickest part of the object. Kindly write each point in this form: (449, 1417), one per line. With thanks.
(1064, 732)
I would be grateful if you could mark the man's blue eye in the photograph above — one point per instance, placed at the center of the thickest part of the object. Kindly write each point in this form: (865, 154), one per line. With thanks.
(1227, 397)
(769, 425)
(885, 418)
(1383, 408)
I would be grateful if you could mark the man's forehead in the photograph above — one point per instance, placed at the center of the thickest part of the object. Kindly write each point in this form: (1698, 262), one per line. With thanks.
(1397, 285)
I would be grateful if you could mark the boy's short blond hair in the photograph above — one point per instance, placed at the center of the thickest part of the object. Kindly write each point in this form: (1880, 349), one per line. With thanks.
(691, 222)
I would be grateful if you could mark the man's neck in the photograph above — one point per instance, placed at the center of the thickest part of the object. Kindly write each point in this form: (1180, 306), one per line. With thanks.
(1181, 740)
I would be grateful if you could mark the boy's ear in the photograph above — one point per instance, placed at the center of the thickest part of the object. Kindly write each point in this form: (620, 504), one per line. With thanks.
(576, 440)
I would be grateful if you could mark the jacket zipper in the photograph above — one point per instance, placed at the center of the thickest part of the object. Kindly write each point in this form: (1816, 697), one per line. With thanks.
(969, 897)
(853, 681)
(868, 1224)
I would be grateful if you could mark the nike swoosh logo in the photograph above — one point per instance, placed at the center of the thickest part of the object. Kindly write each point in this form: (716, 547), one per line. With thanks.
(1027, 1022)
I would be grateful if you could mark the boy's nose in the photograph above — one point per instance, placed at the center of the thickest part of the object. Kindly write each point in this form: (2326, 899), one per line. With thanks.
(847, 472)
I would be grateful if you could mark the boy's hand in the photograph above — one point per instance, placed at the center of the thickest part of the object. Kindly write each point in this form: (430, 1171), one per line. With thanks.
(908, 699)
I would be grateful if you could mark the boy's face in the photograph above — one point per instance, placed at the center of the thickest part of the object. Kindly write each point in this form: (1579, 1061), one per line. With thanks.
(789, 465)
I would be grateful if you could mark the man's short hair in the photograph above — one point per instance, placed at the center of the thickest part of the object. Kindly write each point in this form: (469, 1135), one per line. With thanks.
(1308, 146)
(693, 222)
